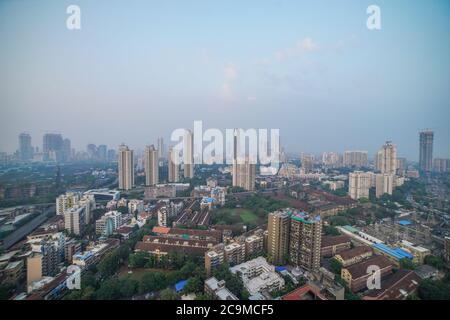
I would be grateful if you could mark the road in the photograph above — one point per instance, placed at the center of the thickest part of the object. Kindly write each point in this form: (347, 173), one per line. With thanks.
(26, 229)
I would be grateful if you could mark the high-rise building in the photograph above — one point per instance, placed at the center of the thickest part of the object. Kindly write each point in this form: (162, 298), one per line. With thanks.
(151, 166)
(91, 150)
(75, 219)
(188, 154)
(126, 168)
(331, 159)
(25, 148)
(426, 150)
(307, 162)
(386, 160)
(161, 148)
(173, 165)
(401, 166)
(305, 241)
(112, 156)
(278, 236)
(102, 152)
(359, 184)
(384, 184)
(52, 146)
(244, 167)
(66, 201)
(441, 165)
(67, 149)
(357, 159)
(43, 261)
(244, 174)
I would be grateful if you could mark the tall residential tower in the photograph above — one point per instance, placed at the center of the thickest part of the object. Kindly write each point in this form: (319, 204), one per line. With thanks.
(126, 168)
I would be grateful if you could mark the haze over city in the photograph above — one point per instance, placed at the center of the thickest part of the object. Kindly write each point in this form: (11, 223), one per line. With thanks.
(139, 70)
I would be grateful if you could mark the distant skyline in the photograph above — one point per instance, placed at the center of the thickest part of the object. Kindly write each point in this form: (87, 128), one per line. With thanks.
(138, 70)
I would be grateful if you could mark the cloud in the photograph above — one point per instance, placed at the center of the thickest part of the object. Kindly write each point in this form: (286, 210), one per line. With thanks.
(251, 98)
(304, 46)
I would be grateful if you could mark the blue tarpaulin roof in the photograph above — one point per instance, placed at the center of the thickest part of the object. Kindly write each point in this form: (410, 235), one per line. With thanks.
(280, 268)
(404, 222)
(397, 253)
(179, 286)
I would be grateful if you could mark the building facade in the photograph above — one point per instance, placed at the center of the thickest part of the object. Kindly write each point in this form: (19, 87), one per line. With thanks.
(151, 166)
(305, 241)
(426, 150)
(126, 168)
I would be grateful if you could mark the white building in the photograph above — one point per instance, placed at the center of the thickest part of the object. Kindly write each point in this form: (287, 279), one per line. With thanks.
(386, 160)
(359, 184)
(258, 276)
(384, 184)
(75, 219)
(66, 201)
(135, 205)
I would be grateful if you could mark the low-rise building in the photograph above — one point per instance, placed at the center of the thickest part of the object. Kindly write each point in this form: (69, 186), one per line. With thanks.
(418, 252)
(356, 275)
(397, 286)
(331, 245)
(217, 290)
(355, 255)
(258, 276)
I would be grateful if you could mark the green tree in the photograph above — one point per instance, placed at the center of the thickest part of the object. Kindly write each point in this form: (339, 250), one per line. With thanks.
(407, 264)
(335, 266)
(138, 259)
(434, 290)
(193, 285)
(128, 287)
(331, 231)
(169, 294)
(109, 290)
(435, 261)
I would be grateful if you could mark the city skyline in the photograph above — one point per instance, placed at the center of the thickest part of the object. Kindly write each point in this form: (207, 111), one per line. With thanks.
(320, 76)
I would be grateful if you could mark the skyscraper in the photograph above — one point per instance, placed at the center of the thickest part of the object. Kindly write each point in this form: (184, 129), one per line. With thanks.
(244, 174)
(52, 146)
(151, 165)
(25, 148)
(357, 159)
(278, 236)
(307, 162)
(384, 184)
(102, 152)
(426, 150)
(173, 165)
(188, 154)
(161, 148)
(386, 160)
(92, 151)
(126, 168)
(244, 167)
(359, 184)
(305, 241)
(67, 149)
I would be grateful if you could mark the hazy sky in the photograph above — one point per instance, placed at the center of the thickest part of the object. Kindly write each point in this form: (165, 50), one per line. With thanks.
(140, 69)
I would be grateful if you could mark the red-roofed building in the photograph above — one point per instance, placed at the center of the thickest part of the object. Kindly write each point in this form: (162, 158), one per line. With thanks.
(307, 292)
